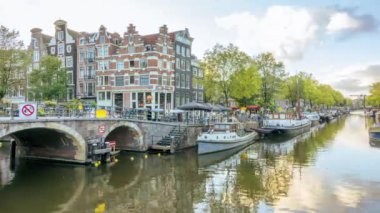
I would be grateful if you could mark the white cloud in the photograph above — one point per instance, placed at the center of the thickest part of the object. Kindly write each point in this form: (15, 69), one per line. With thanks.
(286, 31)
(342, 21)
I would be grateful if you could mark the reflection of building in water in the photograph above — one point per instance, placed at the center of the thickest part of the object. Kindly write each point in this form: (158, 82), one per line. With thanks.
(6, 175)
(152, 184)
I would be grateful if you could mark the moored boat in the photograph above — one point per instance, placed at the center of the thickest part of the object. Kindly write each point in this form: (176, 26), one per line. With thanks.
(313, 117)
(224, 136)
(374, 131)
(287, 126)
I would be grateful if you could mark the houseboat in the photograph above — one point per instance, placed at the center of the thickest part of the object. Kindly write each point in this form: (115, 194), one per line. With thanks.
(224, 136)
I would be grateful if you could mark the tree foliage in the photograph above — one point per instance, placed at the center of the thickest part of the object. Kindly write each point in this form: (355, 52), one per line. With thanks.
(49, 81)
(219, 64)
(272, 75)
(13, 59)
(245, 85)
(374, 98)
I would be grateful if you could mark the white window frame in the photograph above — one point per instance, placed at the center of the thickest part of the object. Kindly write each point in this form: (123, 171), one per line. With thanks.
(69, 61)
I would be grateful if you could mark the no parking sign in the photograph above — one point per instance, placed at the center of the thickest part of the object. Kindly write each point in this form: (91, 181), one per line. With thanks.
(27, 111)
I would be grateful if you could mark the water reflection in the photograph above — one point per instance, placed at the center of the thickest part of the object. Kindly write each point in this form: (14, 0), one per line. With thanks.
(329, 168)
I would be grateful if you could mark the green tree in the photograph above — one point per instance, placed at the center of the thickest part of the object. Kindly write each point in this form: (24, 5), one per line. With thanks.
(13, 59)
(218, 65)
(49, 82)
(272, 75)
(374, 98)
(245, 85)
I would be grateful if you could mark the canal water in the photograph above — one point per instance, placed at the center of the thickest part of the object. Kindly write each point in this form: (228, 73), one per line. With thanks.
(330, 169)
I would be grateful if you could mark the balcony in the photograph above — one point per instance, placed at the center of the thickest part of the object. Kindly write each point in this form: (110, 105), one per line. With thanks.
(90, 77)
(91, 59)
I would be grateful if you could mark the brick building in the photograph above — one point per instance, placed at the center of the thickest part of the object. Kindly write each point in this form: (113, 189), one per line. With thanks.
(124, 71)
(134, 71)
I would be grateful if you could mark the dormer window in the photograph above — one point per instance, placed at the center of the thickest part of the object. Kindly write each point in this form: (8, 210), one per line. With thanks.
(102, 39)
(35, 43)
(60, 35)
(52, 50)
(82, 41)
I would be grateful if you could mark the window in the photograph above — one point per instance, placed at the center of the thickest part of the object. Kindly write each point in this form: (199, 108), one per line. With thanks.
(103, 80)
(144, 80)
(160, 64)
(188, 52)
(90, 89)
(102, 39)
(68, 48)
(81, 88)
(91, 54)
(131, 63)
(82, 41)
(69, 61)
(131, 49)
(61, 49)
(168, 80)
(36, 56)
(52, 50)
(187, 65)
(177, 81)
(160, 80)
(90, 72)
(131, 79)
(183, 51)
(187, 81)
(183, 80)
(81, 72)
(70, 78)
(177, 63)
(60, 35)
(108, 95)
(82, 55)
(103, 65)
(178, 49)
(103, 51)
(119, 81)
(35, 43)
(165, 49)
(168, 65)
(101, 96)
(148, 47)
(183, 64)
(120, 65)
(144, 63)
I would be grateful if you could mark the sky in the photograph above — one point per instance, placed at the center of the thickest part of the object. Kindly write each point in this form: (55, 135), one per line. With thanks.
(336, 41)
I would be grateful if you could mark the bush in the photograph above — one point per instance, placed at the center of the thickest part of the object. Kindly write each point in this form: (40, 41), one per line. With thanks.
(41, 112)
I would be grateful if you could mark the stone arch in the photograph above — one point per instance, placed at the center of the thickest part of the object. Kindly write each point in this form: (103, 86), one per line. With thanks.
(16, 130)
(128, 136)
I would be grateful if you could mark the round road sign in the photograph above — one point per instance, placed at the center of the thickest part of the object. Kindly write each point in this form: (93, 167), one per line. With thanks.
(28, 110)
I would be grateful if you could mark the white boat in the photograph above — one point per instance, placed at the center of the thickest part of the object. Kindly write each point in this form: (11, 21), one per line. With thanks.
(283, 124)
(224, 136)
(313, 117)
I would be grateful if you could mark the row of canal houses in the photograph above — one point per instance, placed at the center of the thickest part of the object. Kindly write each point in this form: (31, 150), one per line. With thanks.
(124, 71)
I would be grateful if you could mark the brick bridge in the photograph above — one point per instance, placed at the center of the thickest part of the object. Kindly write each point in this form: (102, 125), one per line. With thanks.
(65, 139)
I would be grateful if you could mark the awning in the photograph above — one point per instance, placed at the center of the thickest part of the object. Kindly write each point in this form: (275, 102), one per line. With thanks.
(195, 106)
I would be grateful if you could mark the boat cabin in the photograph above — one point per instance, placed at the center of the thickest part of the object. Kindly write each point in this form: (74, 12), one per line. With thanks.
(224, 127)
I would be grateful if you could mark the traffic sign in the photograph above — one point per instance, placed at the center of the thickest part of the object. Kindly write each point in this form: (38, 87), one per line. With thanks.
(101, 129)
(27, 111)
